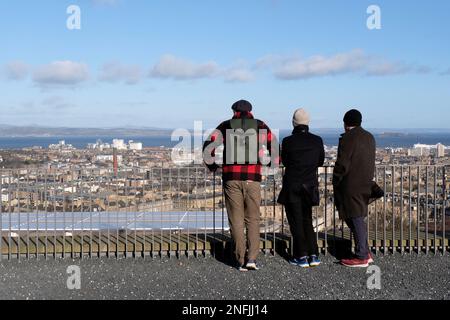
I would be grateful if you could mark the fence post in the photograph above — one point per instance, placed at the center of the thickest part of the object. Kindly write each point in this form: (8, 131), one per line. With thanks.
(274, 212)
(444, 211)
(214, 215)
(1, 215)
(326, 212)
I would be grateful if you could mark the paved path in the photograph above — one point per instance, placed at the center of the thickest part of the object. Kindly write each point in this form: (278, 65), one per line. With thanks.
(403, 277)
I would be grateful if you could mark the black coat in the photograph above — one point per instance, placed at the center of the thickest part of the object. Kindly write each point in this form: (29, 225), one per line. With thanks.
(302, 153)
(354, 172)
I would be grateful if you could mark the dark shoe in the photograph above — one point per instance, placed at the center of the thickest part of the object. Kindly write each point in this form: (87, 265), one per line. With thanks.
(300, 262)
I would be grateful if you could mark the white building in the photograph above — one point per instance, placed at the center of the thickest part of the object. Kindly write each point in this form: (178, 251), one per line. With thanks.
(440, 150)
(107, 157)
(421, 150)
(61, 146)
(119, 144)
(6, 179)
(135, 145)
(99, 145)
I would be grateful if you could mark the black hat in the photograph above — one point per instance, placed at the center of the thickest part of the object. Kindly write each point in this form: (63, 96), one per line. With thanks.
(353, 118)
(242, 106)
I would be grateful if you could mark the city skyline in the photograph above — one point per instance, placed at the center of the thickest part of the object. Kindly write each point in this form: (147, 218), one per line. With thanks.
(209, 151)
(166, 65)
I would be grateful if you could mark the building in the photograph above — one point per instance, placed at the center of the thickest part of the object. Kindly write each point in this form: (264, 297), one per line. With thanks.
(61, 146)
(108, 158)
(99, 145)
(421, 150)
(137, 146)
(119, 144)
(440, 150)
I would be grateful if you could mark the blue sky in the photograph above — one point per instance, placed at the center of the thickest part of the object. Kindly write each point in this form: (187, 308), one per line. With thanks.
(170, 63)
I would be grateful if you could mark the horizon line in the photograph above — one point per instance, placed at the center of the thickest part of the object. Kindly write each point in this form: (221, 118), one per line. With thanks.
(3, 126)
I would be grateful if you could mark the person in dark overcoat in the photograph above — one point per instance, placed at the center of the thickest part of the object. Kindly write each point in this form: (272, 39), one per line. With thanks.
(352, 181)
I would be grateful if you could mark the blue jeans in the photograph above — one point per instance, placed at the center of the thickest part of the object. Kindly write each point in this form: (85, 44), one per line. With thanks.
(359, 230)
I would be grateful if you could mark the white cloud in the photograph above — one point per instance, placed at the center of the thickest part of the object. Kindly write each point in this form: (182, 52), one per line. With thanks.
(171, 67)
(268, 61)
(16, 70)
(238, 75)
(352, 62)
(67, 73)
(423, 70)
(395, 68)
(316, 66)
(70, 73)
(116, 72)
(387, 68)
(446, 72)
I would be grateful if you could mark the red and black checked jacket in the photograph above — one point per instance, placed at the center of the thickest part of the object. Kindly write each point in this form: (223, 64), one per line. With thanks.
(236, 172)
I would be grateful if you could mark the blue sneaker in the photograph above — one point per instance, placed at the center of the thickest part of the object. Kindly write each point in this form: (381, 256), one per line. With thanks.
(302, 262)
(314, 261)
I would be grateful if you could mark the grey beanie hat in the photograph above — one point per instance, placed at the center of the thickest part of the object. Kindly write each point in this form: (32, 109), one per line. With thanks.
(301, 117)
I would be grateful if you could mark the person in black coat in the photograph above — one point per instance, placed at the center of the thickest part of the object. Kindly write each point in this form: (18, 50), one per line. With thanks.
(353, 181)
(302, 153)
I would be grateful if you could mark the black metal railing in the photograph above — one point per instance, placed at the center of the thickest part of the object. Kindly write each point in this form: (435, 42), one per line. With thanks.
(177, 211)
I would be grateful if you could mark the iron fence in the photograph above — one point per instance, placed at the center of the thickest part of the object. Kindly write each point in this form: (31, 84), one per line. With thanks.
(150, 212)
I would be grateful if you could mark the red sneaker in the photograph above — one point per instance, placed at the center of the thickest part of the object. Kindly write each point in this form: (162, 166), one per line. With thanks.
(355, 263)
(370, 258)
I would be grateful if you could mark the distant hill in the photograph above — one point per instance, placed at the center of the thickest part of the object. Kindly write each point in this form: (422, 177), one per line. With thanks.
(35, 131)
(8, 131)
(392, 134)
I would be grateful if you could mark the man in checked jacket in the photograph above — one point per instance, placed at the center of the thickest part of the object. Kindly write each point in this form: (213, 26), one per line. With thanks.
(248, 144)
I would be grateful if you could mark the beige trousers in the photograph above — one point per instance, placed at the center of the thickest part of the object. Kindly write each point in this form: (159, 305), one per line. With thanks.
(243, 200)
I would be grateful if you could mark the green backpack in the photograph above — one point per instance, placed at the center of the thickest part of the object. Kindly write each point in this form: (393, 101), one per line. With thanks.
(242, 143)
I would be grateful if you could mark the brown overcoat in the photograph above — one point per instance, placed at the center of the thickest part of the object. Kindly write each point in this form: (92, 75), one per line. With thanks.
(354, 172)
